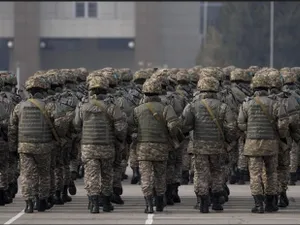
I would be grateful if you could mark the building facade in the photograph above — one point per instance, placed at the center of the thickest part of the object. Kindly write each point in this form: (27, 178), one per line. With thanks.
(44, 35)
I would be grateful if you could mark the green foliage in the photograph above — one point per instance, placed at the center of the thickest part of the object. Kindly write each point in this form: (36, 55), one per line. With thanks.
(242, 35)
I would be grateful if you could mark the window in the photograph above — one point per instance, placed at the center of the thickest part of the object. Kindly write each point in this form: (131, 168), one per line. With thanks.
(92, 9)
(80, 9)
(86, 9)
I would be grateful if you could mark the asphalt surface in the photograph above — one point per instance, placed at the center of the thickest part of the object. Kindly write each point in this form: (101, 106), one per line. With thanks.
(236, 211)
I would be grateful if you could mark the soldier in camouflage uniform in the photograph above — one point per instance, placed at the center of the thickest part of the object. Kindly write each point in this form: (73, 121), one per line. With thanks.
(11, 99)
(209, 140)
(153, 144)
(98, 149)
(34, 143)
(139, 79)
(256, 118)
(5, 195)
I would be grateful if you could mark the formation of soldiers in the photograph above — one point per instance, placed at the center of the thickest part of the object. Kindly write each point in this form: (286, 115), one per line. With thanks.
(208, 126)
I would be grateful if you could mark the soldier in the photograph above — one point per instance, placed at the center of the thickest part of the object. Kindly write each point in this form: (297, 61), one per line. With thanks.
(139, 79)
(153, 121)
(259, 118)
(102, 123)
(30, 133)
(209, 137)
(5, 195)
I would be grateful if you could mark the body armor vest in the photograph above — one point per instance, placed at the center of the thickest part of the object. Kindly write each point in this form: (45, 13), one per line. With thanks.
(205, 128)
(149, 128)
(97, 127)
(259, 126)
(33, 127)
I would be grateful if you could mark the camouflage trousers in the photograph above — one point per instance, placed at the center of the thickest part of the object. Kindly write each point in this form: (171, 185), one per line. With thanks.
(170, 174)
(178, 164)
(208, 173)
(225, 166)
(66, 166)
(59, 170)
(294, 154)
(186, 160)
(125, 158)
(52, 170)
(13, 169)
(256, 165)
(233, 157)
(117, 176)
(31, 164)
(242, 160)
(153, 175)
(3, 170)
(283, 170)
(98, 176)
(133, 155)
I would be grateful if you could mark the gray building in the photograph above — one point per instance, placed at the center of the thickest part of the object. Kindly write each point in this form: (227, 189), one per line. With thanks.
(44, 35)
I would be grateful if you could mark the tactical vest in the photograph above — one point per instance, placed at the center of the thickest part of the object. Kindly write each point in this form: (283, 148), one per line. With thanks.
(205, 128)
(97, 127)
(33, 127)
(259, 126)
(149, 128)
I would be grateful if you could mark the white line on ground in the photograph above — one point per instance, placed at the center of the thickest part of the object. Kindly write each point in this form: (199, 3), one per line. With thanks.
(13, 219)
(149, 219)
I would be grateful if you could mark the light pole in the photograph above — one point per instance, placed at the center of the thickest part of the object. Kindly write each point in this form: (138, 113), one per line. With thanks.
(271, 34)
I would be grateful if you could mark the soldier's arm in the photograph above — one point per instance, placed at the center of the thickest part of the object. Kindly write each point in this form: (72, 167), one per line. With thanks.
(173, 122)
(242, 118)
(229, 124)
(188, 119)
(119, 120)
(77, 121)
(13, 129)
(282, 118)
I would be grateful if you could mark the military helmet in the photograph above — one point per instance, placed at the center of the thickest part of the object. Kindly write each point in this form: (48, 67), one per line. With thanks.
(194, 76)
(69, 75)
(40, 73)
(288, 76)
(126, 74)
(36, 82)
(285, 69)
(252, 70)
(275, 78)
(182, 75)
(9, 78)
(141, 74)
(160, 73)
(98, 82)
(152, 86)
(52, 77)
(93, 74)
(81, 73)
(210, 72)
(260, 80)
(240, 75)
(208, 84)
(227, 70)
(111, 76)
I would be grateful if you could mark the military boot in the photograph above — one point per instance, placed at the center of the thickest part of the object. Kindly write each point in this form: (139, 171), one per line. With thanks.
(90, 202)
(36, 202)
(216, 205)
(159, 203)
(57, 198)
(185, 177)
(42, 205)
(136, 175)
(293, 178)
(50, 201)
(204, 204)
(116, 197)
(7, 197)
(270, 204)
(283, 200)
(2, 202)
(242, 177)
(13, 189)
(169, 195)
(233, 176)
(149, 204)
(176, 197)
(29, 206)
(247, 176)
(72, 187)
(94, 208)
(65, 196)
(124, 176)
(259, 204)
(101, 202)
(106, 203)
(197, 206)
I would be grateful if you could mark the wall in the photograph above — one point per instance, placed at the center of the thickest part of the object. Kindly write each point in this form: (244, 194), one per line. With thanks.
(6, 19)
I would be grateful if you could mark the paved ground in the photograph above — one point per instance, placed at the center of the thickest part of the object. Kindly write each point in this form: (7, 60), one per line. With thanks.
(236, 211)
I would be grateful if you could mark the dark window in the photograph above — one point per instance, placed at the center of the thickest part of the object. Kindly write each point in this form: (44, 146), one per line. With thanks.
(92, 9)
(62, 44)
(120, 44)
(80, 9)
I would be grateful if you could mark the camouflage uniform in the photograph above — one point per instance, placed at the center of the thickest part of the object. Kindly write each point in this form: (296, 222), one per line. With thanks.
(139, 78)
(208, 145)
(153, 145)
(34, 143)
(97, 143)
(261, 145)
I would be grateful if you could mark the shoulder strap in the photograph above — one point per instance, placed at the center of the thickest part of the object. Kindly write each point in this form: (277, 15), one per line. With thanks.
(213, 118)
(155, 114)
(36, 103)
(98, 104)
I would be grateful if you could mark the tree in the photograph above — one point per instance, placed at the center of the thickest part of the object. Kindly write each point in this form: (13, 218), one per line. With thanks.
(244, 31)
